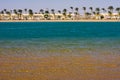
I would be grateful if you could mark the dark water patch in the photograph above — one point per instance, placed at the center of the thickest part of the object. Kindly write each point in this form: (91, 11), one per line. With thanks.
(59, 29)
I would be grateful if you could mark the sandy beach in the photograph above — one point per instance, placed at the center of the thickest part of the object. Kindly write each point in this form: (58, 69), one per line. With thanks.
(60, 40)
(59, 20)
(85, 67)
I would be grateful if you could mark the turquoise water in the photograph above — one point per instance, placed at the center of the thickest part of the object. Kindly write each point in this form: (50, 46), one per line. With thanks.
(59, 38)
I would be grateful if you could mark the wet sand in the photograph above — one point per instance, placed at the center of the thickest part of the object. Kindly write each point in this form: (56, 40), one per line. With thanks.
(84, 67)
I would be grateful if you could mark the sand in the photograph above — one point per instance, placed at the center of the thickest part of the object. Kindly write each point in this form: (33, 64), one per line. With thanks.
(84, 67)
(59, 20)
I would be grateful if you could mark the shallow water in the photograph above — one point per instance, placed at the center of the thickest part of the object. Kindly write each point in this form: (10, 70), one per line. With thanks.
(59, 38)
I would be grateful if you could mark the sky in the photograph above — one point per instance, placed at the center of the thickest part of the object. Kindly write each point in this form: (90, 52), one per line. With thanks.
(36, 5)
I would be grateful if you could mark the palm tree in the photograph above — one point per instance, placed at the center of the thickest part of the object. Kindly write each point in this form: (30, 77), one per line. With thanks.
(65, 10)
(5, 10)
(46, 12)
(77, 9)
(72, 9)
(97, 9)
(76, 17)
(59, 17)
(118, 11)
(46, 15)
(69, 15)
(20, 13)
(11, 11)
(84, 8)
(94, 13)
(1, 14)
(15, 12)
(87, 15)
(110, 14)
(91, 8)
(53, 12)
(65, 13)
(9, 14)
(25, 11)
(110, 11)
(30, 11)
(104, 10)
(97, 12)
(59, 11)
(41, 11)
(110, 8)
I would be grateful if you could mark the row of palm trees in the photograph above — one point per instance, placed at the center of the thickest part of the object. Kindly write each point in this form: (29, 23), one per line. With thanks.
(65, 13)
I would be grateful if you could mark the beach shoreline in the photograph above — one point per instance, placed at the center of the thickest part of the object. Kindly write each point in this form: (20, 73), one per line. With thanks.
(59, 20)
(32, 52)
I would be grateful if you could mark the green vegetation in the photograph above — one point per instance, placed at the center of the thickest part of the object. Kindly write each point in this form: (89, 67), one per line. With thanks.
(110, 13)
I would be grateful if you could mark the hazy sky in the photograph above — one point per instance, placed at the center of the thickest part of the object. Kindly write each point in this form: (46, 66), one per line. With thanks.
(56, 4)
